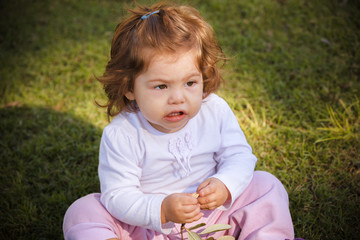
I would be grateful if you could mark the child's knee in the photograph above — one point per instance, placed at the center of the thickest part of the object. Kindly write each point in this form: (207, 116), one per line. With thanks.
(87, 217)
(83, 210)
(264, 176)
(269, 182)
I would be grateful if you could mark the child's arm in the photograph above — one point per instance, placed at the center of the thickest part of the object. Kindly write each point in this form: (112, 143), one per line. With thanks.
(212, 194)
(180, 208)
(234, 158)
(119, 173)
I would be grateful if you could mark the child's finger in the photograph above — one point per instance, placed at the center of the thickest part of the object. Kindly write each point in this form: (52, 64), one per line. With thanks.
(197, 217)
(208, 206)
(208, 202)
(207, 199)
(203, 185)
(188, 199)
(194, 216)
(191, 208)
(208, 189)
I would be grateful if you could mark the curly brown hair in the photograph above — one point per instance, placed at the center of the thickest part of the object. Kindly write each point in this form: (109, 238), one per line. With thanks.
(166, 31)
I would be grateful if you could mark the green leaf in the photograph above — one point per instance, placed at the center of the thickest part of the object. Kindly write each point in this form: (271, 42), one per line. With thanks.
(193, 236)
(227, 237)
(210, 238)
(215, 228)
(197, 226)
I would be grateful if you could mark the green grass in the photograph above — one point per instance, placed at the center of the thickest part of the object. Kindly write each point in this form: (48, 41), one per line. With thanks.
(292, 80)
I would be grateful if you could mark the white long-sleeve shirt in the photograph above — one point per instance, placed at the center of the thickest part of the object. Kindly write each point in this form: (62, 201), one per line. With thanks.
(139, 166)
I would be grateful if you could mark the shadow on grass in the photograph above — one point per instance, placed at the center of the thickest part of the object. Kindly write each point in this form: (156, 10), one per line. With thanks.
(48, 159)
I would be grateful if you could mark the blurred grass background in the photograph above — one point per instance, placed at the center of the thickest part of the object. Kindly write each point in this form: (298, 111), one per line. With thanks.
(292, 80)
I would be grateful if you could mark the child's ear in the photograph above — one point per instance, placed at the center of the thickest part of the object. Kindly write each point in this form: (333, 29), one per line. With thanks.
(130, 95)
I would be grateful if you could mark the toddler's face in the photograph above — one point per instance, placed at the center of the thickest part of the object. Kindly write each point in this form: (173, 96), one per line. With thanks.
(169, 93)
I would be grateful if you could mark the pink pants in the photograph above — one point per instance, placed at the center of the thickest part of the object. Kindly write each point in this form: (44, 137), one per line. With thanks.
(261, 212)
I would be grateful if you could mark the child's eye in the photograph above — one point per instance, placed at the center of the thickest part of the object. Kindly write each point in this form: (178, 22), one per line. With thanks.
(190, 83)
(161, 87)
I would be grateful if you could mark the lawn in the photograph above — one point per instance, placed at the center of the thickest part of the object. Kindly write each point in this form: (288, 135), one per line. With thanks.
(292, 78)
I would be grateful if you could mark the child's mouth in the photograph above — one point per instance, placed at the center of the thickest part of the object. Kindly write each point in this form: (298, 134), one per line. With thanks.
(175, 116)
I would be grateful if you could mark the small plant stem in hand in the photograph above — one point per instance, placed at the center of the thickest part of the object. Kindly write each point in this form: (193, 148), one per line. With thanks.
(182, 231)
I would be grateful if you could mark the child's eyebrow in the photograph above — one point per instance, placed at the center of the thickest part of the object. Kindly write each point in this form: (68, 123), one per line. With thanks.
(195, 74)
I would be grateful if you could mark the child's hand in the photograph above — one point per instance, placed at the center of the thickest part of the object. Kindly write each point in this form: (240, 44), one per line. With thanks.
(212, 194)
(180, 208)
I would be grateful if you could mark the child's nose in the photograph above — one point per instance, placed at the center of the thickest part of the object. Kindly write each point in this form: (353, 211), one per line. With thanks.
(176, 96)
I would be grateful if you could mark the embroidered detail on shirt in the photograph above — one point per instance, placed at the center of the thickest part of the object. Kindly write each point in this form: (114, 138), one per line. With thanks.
(181, 147)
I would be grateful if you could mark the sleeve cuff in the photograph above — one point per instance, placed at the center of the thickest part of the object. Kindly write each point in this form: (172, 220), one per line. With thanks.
(162, 228)
(166, 227)
(235, 190)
